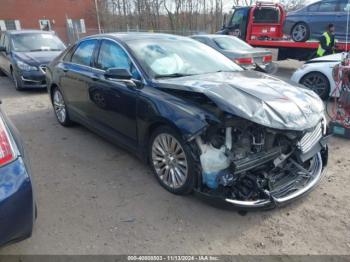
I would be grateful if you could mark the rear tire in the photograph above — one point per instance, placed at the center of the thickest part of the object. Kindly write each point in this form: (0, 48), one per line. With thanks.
(171, 161)
(60, 108)
(318, 83)
(300, 32)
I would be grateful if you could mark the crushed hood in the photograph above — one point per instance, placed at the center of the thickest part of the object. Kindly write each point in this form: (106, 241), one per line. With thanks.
(257, 97)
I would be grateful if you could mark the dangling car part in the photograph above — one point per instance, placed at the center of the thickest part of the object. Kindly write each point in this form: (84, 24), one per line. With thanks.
(202, 122)
(263, 167)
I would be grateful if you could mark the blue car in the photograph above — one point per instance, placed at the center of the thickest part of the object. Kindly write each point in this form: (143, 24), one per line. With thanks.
(17, 205)
(25, 54)
(202, 123)
(311, 20)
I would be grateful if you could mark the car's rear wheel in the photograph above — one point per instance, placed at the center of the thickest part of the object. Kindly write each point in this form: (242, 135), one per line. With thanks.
(171, 161)
(60, 107)
(318, 83)
(300, 32)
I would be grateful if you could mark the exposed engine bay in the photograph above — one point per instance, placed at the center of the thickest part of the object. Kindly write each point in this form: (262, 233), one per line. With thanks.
(260, 144)
(248, 164)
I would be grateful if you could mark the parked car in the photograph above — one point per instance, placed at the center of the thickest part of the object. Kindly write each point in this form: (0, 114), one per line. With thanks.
(238, 51)
(312, 20)
(17, 205)
(317, 74)
(25, 54)
(202, 122)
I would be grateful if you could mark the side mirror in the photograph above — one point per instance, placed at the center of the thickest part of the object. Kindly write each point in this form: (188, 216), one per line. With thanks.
(118, 74)
(124, 76)
(2, 49)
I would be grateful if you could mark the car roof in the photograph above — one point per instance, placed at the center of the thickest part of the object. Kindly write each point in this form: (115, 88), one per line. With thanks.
(18, 32)
(211, 36)
(127, 36)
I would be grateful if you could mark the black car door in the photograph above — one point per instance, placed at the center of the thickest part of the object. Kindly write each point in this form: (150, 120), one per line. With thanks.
(113, 103)
(76, 75)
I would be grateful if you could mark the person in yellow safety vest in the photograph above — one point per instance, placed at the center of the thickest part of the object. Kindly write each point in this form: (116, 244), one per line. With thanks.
(327, 42)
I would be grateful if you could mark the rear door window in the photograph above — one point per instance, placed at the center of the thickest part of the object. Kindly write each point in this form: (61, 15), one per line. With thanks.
(83, 55)
(314, 7)
(344, 6)
(327, 6)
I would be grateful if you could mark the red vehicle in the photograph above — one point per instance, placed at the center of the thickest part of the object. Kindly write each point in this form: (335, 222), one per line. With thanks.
(261, 25)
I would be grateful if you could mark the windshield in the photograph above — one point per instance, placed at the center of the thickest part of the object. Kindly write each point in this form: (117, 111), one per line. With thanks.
(231, 43)
(36, 42)
(176, 57)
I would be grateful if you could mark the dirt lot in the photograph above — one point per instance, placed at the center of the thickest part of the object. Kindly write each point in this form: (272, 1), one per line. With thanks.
(95, 198)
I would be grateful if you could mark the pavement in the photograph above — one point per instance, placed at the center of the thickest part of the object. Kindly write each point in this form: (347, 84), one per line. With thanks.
(95, 198)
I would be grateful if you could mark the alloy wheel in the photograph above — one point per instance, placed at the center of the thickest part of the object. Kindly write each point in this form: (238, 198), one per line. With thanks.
(59, 106)
(169, 161)
(316, 83)
(299, 32)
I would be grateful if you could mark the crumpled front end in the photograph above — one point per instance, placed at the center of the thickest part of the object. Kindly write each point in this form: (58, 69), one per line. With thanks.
(265, 142)
(251, 166)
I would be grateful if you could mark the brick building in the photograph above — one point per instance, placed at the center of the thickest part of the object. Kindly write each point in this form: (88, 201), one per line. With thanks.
(70, 19)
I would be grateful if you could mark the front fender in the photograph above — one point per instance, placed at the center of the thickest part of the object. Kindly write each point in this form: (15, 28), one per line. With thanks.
(158, 107)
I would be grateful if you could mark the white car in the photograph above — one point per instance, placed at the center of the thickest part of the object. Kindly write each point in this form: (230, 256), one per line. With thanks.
(317, 74)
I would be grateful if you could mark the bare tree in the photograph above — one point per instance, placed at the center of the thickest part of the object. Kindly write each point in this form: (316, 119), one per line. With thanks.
(176, 16)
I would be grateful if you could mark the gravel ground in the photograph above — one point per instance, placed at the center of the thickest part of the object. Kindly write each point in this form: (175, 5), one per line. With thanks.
(95, 198)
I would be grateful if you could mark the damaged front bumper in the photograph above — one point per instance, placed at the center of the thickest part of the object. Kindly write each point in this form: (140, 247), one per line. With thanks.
(288, 190)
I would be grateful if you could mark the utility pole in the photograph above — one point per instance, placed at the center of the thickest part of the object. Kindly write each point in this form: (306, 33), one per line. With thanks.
(98, 17)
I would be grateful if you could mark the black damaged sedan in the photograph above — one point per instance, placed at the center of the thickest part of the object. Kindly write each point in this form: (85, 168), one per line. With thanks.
(201, 121)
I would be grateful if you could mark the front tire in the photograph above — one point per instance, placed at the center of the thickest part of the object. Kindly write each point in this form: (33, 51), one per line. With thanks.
(300, 32)
(16, 81)
(60, 108)
(171, 161)
(318, 83)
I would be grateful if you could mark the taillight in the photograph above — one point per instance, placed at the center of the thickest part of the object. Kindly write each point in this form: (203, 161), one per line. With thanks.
(6, 150)
(267, 59)
(244, 61)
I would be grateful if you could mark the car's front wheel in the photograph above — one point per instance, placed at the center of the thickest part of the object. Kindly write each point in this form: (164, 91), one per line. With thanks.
(16, 81)
(172, 161)
(300, 32)
(60, 107)
(318, 83)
